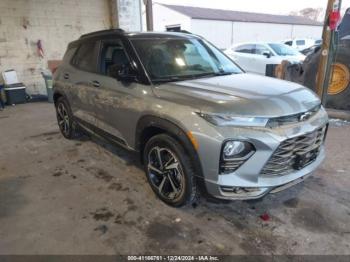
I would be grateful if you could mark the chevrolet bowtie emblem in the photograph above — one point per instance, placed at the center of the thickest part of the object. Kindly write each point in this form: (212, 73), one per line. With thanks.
(305, 116)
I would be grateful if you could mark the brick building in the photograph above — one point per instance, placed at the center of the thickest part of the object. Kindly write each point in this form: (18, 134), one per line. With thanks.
(55, 22)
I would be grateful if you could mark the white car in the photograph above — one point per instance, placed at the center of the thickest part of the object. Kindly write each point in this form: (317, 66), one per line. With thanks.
(253, 57)
(301, 43)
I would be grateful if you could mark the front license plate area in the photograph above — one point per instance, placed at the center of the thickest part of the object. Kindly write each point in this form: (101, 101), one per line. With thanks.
(304, 159)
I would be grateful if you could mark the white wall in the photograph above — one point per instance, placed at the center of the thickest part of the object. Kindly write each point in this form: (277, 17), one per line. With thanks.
(163, 16)
(244, 32)
(225, 33)
(217, 32)
(55, 23)
(307, 31)
(129, 15)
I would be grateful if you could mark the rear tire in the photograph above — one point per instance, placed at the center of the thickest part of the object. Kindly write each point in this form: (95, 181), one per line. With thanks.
(341, 100)
(337, 100)
(67, 125)
(169, 171)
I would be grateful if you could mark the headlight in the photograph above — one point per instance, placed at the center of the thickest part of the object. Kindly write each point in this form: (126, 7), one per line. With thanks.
(224, 120)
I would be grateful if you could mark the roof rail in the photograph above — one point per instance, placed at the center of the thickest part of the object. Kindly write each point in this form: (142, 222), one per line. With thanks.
(115, 30)
(185, 32)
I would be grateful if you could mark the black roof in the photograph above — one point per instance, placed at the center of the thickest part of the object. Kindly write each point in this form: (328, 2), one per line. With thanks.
(159, 35)
(104, 32)
(228, 15)
(134, 35)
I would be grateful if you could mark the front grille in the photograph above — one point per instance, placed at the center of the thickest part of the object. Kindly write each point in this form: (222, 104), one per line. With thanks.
(292, 119)
(295, 153)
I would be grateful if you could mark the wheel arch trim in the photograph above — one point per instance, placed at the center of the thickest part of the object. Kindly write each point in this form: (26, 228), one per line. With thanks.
(173, 128)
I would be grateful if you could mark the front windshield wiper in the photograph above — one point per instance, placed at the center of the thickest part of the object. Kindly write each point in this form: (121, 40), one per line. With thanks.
(168, 79)
(186, 77)
(215, 74)
(223, 73)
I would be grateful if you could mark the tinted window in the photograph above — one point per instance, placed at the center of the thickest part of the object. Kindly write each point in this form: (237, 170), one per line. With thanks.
(248, 49)
(284, 50)
(260, 50)
(113, 58)
(176, 59)
(85, 58)
(300, 42)
(290, 43)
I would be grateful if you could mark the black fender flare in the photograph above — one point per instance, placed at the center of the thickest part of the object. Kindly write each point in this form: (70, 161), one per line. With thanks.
(176, 130)
(59, 93)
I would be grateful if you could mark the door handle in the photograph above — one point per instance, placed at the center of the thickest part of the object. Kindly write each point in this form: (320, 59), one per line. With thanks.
(96, 83)
(66, 76)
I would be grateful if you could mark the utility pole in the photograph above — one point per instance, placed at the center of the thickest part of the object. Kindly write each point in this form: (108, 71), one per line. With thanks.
(324, 71)
(149, 14)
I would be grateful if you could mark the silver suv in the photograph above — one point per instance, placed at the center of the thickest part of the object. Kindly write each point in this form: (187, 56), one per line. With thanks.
(198, 121)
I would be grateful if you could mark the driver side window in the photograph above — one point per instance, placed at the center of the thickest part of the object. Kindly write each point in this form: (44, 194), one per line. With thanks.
(113, 58)
(260, 50)
(247, 49)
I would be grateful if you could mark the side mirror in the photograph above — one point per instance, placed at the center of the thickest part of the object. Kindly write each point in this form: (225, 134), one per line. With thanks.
(267, 54)
(127, 78)
(125, 74)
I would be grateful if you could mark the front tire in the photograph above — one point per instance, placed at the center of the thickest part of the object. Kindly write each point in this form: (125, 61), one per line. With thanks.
(169, 171)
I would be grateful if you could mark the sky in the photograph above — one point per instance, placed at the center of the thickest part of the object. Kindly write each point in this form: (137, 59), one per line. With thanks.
(282, 7)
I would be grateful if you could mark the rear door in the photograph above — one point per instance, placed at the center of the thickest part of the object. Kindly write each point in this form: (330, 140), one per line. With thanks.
(81, 76)
(245, 57)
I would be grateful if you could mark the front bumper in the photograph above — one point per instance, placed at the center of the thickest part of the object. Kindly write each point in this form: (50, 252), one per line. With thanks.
(226, 190)
(248, 182)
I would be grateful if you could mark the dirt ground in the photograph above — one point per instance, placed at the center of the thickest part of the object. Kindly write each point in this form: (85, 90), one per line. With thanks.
(84, 197)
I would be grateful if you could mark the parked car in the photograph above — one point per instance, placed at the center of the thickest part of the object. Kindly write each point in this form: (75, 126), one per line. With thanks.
(197, 120)
(253, 57)
(310, 50)
(301, 43)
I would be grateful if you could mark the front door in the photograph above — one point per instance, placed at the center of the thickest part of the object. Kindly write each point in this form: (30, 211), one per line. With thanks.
(114, 98)
(245, 57)
(261, 60)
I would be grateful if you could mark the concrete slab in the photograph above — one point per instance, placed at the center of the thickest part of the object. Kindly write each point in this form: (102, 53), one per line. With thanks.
(83, 197)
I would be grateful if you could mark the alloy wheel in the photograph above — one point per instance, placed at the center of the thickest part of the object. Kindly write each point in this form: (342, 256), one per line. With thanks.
(63, 118)
(165, 173)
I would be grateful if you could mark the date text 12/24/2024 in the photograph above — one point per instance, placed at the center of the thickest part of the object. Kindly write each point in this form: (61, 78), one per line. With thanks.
(173, 258)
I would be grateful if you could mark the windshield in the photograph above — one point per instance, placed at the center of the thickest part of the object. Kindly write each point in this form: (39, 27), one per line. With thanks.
(284, 50)
(179, 59)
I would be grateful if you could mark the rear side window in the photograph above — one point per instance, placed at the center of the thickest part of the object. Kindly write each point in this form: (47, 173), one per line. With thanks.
(260, 50)
(300, 42)
(248, 49)
(85, 58)
(290, 43)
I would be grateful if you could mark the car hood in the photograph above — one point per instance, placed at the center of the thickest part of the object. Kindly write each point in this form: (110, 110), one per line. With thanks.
(240, 94)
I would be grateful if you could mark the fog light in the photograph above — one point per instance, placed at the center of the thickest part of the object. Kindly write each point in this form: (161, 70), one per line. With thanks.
(234, 154)
(232, 148)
